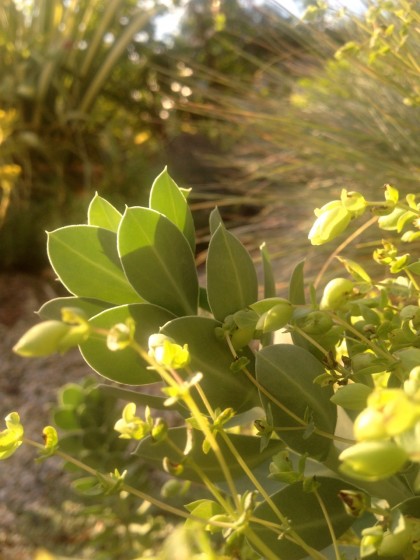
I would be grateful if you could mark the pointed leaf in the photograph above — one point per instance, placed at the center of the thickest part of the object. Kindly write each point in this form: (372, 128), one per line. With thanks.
(215, 220)
(158, 260)
(212, 358)
(86, 261)
(166, 197)
(231, 278)
(248, 448)
(52, 309)
(306, 517)
(269, 280)
(297, 285)
(287, 373)
(101, 213)
(124, 366)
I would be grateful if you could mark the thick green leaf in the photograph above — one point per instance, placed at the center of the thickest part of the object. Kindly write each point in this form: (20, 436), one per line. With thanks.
(269, 280)
(287, 373)
(158, 260)
(212, 357)
(306, 517)
(101, 213)
(231, 278)
(86, 261)
(248, 448)
(166, 197)
(52, 309)
(124, 366)
(215, 220)
(297, 285)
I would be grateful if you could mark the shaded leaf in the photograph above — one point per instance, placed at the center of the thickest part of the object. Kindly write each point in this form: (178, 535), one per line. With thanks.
(212, 358)
(304, 512)
(158, 260)
(269, 280)
(248, 448)
(231, 278)
(287, 373)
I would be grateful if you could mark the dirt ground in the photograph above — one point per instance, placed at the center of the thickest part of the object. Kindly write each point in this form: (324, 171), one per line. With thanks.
(30, 492)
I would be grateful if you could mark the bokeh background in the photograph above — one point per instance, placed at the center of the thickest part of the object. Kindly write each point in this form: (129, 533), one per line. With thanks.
(265, 108)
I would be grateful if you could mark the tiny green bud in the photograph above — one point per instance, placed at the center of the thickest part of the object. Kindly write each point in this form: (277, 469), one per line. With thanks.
(242, 337)
(316, 322)
(355, 503)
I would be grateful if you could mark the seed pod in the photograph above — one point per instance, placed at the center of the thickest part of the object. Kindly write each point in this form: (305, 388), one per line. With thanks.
(337, 293)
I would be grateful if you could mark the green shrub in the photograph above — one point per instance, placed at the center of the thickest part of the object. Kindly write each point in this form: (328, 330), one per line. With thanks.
(275, 474)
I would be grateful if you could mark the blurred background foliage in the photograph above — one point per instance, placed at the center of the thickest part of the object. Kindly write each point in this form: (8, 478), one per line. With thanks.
(252, 107)
(262, 113)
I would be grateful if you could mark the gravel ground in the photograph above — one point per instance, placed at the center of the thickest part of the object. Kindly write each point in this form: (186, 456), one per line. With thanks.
(31, 493)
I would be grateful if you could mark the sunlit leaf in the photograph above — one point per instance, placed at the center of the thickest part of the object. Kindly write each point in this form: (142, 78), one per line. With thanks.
(85, 259)
(166, 197)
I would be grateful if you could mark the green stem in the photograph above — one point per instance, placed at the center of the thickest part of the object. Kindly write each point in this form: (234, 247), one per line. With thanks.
(283, 519)
(130, 489)
(329, 524)
(377, 349)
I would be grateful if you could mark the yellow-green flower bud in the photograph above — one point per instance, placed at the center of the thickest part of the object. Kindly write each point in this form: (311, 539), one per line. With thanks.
(372, 460)
(369, 425)
(332, 220)
(131, 426)
(354, 202)
(11, 438)
(337, 293)
(399, 413)
(49, 337)
(167, 353)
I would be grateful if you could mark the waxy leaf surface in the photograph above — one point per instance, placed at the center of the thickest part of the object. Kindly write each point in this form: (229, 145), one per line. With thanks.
(212, 357)
(101, 213)
(231, 278)
(287, 374)
(158, 260)
(86, 261)
(167, 198)
(304, 512)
